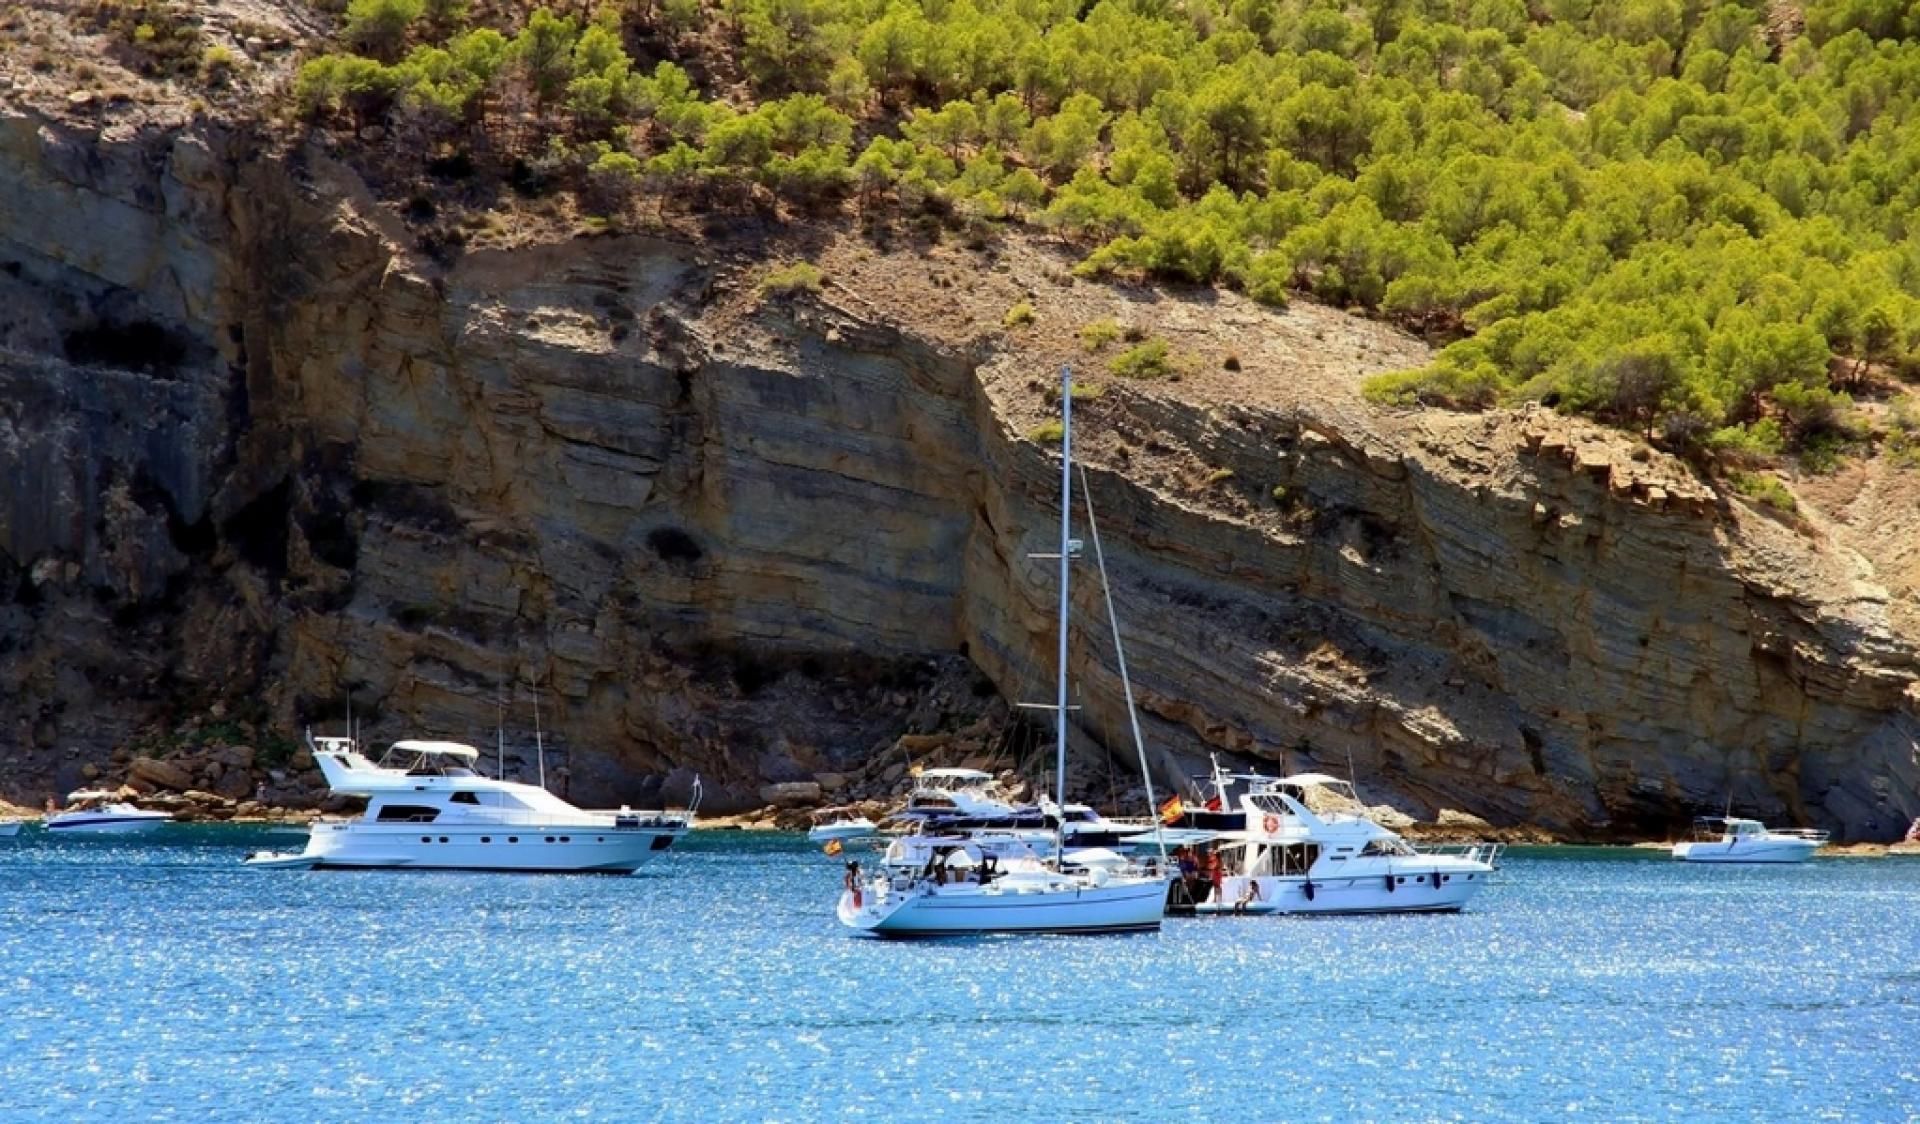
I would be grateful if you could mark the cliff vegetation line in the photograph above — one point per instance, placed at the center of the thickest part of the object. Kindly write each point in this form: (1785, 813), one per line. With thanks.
(1673, 215)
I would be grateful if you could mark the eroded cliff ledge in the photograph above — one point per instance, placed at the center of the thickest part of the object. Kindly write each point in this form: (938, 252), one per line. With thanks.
(258, 451)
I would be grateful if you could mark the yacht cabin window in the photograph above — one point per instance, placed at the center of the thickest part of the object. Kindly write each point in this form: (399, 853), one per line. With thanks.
(407, 813)
(464, 798)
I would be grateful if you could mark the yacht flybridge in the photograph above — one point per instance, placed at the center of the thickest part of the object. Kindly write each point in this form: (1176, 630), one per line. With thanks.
(429, 809)
(963, 887)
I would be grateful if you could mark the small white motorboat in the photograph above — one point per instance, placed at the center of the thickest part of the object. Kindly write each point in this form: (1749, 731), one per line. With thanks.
(9, 827)
(845, 827)
(101, 818)
(282, 860)
(1723, 840)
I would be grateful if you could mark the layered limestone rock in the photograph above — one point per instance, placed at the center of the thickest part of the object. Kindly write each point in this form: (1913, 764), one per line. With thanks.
(258, 450)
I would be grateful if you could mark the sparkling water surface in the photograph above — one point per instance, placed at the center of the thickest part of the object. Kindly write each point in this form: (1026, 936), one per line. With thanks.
(154, 978)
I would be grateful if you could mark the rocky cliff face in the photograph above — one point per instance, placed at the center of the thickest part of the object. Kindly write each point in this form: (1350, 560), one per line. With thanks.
(258, 451)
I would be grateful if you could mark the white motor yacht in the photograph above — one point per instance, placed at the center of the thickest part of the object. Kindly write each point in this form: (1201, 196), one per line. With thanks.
(830, 824)
(1719, 839)
(1028, 895)
(93, 811)
(429, 810)
(1289, 859)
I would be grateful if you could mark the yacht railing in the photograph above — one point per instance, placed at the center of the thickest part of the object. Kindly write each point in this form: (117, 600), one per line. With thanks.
(1813, 834)
(598, 818)
(1488, 853)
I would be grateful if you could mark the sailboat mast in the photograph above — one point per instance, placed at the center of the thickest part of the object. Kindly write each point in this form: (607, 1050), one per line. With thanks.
(1066, 552)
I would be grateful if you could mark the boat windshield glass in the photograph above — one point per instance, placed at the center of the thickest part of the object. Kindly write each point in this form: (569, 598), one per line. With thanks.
(953, 781)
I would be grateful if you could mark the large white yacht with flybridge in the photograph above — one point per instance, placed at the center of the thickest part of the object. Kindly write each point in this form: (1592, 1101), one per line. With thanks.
(428, 809)
(1277, 854)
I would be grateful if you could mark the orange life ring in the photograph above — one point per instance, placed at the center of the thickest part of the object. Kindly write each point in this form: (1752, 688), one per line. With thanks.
(1271, 823)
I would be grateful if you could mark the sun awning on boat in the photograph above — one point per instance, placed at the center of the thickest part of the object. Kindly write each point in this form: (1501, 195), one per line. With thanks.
(1097, 857)
(438, 749)
(1310, 778)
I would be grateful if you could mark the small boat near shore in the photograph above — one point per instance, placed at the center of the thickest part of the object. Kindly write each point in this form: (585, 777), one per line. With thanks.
(10, 828)
(1723, 839)
(831, 824)
(429, 810)
(92, 811)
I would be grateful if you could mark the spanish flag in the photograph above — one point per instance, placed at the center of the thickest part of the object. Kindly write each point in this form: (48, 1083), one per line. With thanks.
(833, 847)
(1172, 810)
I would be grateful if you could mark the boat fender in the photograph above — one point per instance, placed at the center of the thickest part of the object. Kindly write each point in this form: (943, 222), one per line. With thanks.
(1389, 883)
(1307, 888)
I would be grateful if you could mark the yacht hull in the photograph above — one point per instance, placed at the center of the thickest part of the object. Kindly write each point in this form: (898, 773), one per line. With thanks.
(1771, 851)
(1413, 892)
(107, 825)
(825, 833)
(556, 849)
(970, 910)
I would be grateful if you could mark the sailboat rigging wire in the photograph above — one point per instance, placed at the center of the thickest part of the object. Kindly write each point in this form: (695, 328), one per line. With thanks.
(1120, 657)
(539, 746)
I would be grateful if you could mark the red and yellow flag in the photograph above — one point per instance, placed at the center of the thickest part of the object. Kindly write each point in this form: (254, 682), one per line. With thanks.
(833, 847)
(1172, 810)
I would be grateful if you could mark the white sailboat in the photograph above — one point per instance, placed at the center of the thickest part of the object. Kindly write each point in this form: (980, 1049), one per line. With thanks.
(958, 892)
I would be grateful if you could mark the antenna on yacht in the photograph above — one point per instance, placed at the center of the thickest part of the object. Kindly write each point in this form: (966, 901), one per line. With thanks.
(500, 728)
(539, 746)
(1120, 656)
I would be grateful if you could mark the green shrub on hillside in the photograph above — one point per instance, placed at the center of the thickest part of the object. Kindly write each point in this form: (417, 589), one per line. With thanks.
(1765, 489)
(1150, 360)
(1099, 333)
(800, 277)
(379, 27)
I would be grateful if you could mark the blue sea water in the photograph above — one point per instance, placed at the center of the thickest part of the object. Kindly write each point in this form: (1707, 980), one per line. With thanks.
(157, 979)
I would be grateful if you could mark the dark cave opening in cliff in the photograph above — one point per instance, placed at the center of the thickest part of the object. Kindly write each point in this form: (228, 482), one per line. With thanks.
(139, 345)
(674, 545)
(259, 530)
